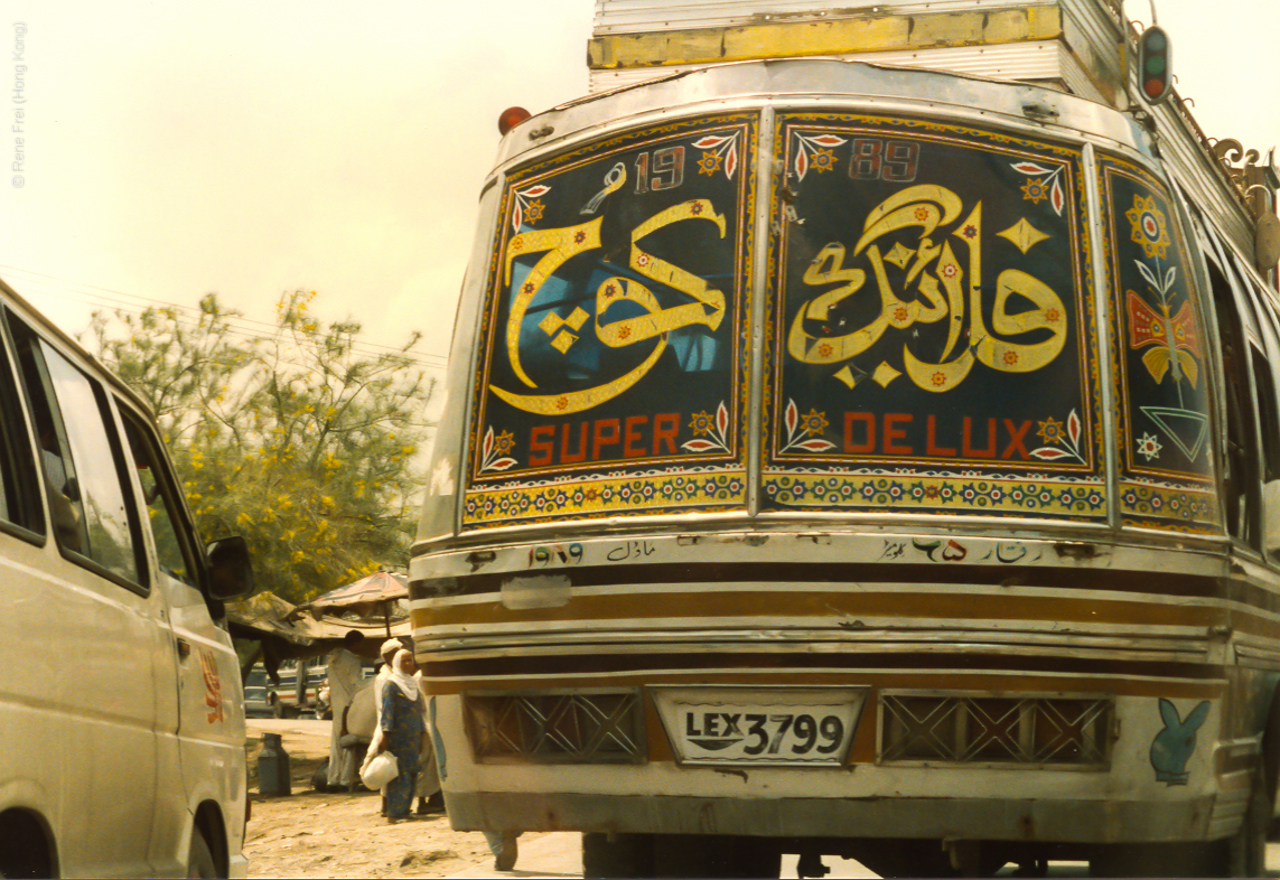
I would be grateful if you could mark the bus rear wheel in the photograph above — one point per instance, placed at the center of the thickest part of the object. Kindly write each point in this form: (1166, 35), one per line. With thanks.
(679, 855)
(617, 855)
(1245, 854)
(904, 857)
(1154, 860)
(715, 855)
(1241, 855)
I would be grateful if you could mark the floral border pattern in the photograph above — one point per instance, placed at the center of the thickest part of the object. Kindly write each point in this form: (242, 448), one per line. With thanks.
(657, 492)
(914, 492)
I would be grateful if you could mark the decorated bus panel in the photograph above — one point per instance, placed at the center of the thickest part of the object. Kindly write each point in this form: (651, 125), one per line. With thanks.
(929, 346)
(1165, 455)
(933, 346)
(611, 377)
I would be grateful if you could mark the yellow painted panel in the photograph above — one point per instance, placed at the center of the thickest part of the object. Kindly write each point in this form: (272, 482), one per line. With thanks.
(985, 29)
(956, 29)
(815, 38)
(844, 36)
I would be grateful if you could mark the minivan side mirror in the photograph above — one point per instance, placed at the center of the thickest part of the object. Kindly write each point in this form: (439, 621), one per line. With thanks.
(230, 569)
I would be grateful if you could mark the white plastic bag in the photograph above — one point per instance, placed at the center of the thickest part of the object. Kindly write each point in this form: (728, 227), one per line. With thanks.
(380, 770)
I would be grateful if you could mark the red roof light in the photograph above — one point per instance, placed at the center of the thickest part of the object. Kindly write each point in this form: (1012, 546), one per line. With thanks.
(511, 117)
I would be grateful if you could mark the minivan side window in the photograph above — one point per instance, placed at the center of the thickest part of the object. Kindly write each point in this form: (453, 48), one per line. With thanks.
(18, 491)
(173, 552)
(81, 458)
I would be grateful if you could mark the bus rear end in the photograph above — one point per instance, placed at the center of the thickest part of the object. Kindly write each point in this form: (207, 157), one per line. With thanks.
(830, 467)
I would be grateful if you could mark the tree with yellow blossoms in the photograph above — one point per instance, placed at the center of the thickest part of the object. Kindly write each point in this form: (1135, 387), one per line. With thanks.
(299, 440)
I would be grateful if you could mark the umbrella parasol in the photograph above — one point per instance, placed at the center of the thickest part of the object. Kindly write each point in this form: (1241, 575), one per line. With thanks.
(367, 597)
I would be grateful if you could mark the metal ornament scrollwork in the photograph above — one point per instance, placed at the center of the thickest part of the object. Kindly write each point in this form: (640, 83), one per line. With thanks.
(1257, 184)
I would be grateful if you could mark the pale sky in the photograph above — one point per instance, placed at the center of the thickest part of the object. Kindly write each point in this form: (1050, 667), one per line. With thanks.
(248, 148)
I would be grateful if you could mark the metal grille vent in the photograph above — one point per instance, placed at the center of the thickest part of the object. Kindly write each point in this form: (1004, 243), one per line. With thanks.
(1015, 730)
(566, 728)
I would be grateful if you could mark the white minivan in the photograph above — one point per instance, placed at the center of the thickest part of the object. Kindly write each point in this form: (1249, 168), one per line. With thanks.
(121, 715)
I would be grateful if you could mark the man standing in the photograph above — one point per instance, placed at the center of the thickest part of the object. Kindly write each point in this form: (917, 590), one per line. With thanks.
(344, 678)
(430, 797)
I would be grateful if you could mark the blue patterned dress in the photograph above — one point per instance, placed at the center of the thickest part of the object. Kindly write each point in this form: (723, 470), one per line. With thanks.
(404, 725)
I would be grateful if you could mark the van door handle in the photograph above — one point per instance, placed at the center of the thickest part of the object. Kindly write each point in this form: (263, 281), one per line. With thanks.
(184, 648)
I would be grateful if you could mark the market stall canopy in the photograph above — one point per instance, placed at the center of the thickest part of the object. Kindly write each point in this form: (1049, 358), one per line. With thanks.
(380, 596)
(266, 614)
(286, 631)
(375, 595)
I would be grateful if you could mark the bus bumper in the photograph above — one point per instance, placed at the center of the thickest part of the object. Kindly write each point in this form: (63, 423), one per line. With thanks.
(1040, 820)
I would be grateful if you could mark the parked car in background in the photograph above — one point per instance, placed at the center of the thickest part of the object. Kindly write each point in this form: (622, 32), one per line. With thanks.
(256, 703)
(282, 699)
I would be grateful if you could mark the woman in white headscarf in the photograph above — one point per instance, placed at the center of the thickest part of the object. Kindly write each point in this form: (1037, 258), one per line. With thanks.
(388, 653)
(402, 730)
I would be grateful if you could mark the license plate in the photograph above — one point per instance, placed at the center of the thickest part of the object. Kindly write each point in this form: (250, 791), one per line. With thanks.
(810, 727)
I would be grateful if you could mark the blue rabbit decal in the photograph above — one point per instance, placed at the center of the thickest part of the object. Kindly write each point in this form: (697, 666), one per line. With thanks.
(1176, 743)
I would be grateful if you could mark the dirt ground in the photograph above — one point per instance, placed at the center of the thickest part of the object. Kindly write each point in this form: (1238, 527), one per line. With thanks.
(314, 834)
